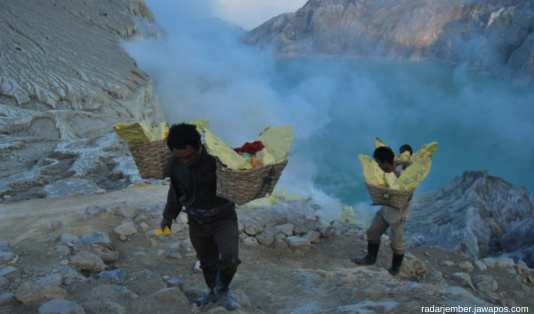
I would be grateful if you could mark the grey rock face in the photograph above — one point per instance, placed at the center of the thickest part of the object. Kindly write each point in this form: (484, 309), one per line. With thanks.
(7, 299)
(31, 292)
(126, 229)
(471, 215)
(96, 238)
(107, 307)
(87, 261)
(64, 81)
(6, 257)
(106, 254)
(69, 239)
(490, 37)
(117, 275)
(485, 283)
(10, 272)
(60, 307)
(295, 242)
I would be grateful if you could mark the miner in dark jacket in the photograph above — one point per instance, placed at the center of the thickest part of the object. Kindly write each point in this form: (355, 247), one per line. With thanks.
(212, 220)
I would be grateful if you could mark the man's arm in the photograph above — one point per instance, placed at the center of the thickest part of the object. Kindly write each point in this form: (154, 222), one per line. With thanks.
(173, 206)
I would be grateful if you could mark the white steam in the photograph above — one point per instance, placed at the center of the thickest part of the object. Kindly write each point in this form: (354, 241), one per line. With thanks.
(202, 70)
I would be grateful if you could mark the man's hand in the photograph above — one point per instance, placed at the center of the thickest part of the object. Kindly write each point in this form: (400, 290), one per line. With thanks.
(165, 223)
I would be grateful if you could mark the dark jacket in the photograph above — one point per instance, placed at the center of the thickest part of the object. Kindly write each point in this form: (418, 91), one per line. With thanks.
(192, 186)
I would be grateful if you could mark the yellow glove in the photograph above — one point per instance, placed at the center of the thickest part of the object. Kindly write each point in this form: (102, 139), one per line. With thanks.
(160, 232)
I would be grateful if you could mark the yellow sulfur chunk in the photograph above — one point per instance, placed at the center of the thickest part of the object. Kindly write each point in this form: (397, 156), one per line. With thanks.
(379, 143)
(265, 157)
(427, 150)
(372, 173)
(218, 148)
(391, 181)
(201, 124)
(404, 157)
(135, 133)
(160, 232)
(160, 132)
(278, 142)
(414, 174)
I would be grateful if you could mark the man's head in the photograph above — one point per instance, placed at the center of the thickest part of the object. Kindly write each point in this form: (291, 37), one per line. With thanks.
(184, 142)
(406, 148)
(384, 158)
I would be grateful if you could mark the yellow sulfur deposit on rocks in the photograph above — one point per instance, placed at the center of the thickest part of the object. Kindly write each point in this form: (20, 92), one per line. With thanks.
(348, 216)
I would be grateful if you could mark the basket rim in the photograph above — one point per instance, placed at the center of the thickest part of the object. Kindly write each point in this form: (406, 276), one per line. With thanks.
(147, 144)
(225, 168)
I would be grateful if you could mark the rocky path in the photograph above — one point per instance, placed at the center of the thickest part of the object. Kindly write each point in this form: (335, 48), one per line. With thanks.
(97, 254)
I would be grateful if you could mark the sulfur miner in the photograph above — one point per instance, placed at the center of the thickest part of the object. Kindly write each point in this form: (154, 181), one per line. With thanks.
(384, 173)
(212, 220)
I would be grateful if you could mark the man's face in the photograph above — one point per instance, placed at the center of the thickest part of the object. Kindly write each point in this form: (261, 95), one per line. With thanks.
(188, 156)
(383, 165)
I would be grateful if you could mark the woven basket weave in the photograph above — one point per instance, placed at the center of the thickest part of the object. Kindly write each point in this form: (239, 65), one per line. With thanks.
(243, 186)
(392, 198)
(152, 159)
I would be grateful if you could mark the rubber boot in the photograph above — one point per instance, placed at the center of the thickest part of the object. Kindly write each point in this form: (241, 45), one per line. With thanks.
(396, 264)
(370, 258)
(223, 292)
(210, 277)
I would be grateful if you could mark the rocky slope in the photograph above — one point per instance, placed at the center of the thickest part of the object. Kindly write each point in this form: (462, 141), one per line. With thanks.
(64, 81)
(491, 37)
(98, 254)
(477, 215)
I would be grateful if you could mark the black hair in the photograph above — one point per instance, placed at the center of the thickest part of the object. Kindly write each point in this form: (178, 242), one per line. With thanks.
(183, 135)
(384, 154)
(406, 148)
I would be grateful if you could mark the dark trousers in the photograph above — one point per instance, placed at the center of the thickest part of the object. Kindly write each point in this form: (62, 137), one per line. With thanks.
(217, 244)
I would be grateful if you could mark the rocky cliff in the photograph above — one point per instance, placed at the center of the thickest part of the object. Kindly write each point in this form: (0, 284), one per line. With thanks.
(478, 215)
(64, 81)
(494, 37)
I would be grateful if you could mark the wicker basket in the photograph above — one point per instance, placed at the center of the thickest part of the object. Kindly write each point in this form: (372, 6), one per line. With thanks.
(243, 186)
(392, 198)
(152, 159)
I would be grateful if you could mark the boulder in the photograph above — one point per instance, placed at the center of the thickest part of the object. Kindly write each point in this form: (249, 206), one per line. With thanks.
(60, 307)
(87, 261)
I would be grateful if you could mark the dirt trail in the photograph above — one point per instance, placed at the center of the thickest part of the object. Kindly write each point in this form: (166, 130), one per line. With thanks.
(29, 219)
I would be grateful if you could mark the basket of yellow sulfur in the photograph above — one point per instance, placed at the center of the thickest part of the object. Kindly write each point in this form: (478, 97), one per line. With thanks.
(148, 147)
(252, 171)
(389, 197)
(151, 159)
(243, 186)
